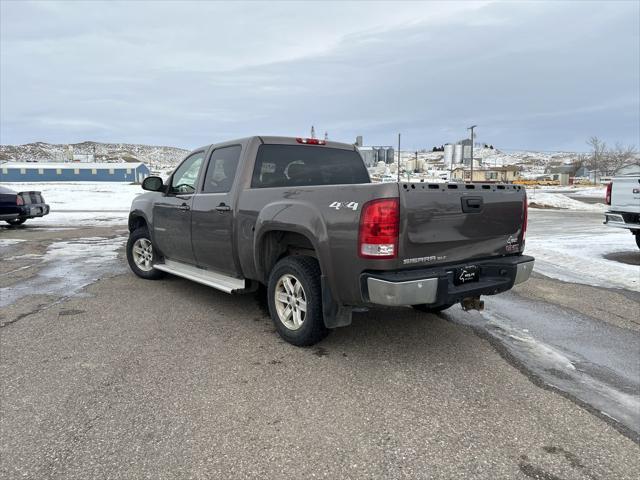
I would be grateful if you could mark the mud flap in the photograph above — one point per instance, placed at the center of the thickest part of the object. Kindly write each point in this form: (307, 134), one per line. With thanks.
(334, 315)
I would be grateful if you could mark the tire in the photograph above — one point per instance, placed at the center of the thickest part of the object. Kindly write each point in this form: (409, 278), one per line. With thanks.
(294, 282)
(637, 235)
(16, 221)
(428, 309)
(141, 262)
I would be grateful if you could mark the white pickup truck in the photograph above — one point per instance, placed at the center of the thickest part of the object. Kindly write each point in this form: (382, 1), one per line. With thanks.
(623, 198)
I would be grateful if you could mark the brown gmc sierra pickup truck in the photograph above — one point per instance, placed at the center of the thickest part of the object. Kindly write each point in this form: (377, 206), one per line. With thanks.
(302, 217)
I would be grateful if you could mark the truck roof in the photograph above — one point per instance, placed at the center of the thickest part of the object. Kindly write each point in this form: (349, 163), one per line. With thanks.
(279, 140)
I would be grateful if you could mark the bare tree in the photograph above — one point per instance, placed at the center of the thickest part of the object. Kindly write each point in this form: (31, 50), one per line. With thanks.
(622, 155)
(605, 161)
(597, 161)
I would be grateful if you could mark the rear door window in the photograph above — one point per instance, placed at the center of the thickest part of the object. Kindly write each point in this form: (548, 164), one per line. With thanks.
(303, 165)
(222, 169)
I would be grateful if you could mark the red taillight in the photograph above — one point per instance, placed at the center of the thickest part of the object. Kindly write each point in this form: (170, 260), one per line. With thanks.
(607, 197)
(311, 141)
(19, 200)
(379, 229)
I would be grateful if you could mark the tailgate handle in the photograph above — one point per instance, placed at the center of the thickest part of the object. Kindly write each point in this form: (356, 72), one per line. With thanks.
(471, 204)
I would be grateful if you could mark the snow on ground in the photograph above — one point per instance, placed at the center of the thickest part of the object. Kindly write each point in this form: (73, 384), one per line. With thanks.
(593, 192)
(67, 219)
(89, 196)
(590, 191)
(571, 246)
(5, 242)
(558, 200)
(67, 267)
(83, 203)
(587, 189)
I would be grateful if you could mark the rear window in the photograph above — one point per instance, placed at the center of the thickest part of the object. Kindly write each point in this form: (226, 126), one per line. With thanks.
(302, 165)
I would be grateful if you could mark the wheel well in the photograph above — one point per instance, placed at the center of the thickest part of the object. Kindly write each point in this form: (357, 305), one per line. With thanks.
(136, 222)
(279, 244)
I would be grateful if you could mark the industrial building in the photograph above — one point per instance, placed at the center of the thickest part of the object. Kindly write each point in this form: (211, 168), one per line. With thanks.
(373, 155)
(73, 172)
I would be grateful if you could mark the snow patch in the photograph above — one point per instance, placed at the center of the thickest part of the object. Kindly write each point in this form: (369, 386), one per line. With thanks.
(83, 203)
(561, 201)
(84, 196)
(545, 355)
(572, 246)
(68, 267)
(6, 242)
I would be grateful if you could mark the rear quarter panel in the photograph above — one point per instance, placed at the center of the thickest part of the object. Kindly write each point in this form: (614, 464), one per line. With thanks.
(328, 216)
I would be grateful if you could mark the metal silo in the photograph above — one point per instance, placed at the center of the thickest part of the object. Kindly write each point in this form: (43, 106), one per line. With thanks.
(457, 153)
(448, 154)
(466, 152)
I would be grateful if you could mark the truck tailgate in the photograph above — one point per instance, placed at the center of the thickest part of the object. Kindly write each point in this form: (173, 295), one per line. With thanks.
(625, 195)
(446, 223)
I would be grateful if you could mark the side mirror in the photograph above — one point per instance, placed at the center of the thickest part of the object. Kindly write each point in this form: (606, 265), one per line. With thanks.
(153, 184)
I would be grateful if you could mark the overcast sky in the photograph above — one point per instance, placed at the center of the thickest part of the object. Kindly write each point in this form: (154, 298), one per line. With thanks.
(532, 75)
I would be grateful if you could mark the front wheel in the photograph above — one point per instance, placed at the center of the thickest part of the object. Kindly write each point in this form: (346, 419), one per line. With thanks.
(141, 255)
(16, 221)
(295, 301)
(428, 309)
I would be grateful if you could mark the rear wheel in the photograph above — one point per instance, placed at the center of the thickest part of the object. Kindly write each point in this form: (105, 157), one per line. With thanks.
(16, 221)
(429, 309)
(295, 301)
(141, 255)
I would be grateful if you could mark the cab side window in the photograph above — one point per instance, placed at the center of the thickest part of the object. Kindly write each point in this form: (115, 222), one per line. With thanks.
(185, 178)
(221, 169)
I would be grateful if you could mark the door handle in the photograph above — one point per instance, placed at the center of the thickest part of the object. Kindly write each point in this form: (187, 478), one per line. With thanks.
(223, 208)
(184, 207)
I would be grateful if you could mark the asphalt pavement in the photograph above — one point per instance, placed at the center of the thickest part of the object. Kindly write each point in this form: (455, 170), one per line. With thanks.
(105, 375)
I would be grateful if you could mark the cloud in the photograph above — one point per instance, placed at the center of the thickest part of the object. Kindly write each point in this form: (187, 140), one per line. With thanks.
(534, 75)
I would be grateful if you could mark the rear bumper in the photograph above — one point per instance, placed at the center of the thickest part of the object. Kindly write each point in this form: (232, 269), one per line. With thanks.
(435, 286)
(614, 219)
(27, 211)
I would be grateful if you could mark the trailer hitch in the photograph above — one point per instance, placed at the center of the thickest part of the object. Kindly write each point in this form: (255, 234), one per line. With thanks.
(472, 303)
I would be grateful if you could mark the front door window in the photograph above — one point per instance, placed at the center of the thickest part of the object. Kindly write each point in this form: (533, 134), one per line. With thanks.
(186, 176)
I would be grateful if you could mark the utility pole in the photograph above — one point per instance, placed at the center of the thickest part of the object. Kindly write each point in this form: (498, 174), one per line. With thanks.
(471, 128)
(398, 158)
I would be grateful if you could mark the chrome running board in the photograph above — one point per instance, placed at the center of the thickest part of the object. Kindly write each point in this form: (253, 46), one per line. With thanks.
(206, 277)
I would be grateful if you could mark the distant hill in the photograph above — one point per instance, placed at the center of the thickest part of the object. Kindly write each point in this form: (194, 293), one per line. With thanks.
(104, 152)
